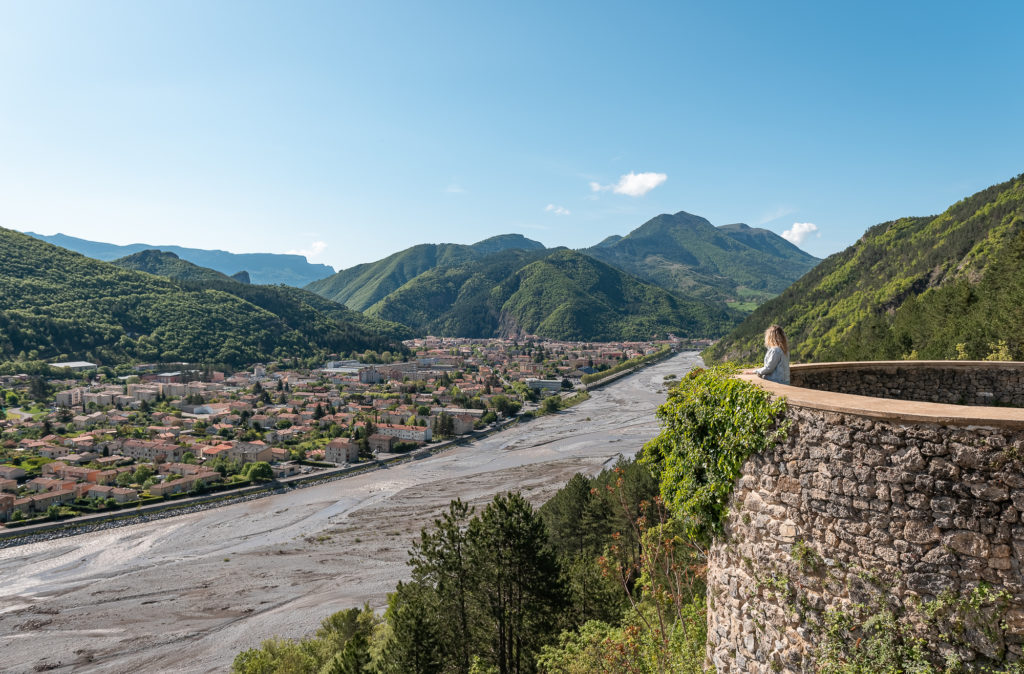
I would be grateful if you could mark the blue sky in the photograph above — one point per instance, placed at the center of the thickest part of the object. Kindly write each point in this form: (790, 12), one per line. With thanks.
(354, 129)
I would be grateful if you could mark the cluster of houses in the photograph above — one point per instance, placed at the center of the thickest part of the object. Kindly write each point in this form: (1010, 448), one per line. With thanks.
(178, 422)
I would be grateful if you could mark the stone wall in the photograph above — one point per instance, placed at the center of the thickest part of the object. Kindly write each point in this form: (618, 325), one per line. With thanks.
(863, 507)
(953, 382)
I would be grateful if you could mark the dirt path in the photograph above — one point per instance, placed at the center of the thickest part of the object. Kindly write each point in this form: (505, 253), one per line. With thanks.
(188, 593)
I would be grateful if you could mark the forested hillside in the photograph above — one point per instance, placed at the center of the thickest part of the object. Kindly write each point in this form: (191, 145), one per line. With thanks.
(557, 294)
(364, 285)
(946, 286)
(56, 304)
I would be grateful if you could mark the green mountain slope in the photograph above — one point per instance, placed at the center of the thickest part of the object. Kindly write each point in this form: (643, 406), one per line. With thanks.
(361, 286)
(914, 286)
(57, 304)
(689, 256)
(457, 301)
(559, 294)
(293, 270)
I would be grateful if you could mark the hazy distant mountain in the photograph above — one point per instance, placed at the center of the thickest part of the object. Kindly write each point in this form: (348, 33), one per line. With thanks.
(914, 286)
(560, 294)
(691, 257)
(58, 305)
(293, 270)
(366, 284)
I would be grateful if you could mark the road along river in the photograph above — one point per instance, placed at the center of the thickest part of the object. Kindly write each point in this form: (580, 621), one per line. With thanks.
(187, 593)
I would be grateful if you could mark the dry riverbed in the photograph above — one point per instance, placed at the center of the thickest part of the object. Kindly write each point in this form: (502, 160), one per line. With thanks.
(187, 593)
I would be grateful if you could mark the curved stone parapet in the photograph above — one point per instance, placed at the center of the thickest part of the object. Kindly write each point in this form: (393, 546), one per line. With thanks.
(874, 502)
(958, 382)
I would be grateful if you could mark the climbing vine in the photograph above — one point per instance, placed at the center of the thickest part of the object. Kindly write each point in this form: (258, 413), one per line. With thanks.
(712, 422)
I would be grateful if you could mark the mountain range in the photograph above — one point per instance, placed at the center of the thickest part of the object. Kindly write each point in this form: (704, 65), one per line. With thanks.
(940, 287)
(264, 268)
(56, 304)
(561, 294)
(674, 274)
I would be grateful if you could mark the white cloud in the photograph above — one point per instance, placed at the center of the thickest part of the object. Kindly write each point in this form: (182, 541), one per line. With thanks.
(314, 250)
(557, 210)
(800, 231)
(632, 184)
(455, 188)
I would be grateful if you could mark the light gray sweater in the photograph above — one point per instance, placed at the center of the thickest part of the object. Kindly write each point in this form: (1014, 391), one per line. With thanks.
(776, 366)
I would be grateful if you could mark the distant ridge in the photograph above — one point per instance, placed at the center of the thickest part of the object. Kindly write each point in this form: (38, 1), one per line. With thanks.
(263, 268)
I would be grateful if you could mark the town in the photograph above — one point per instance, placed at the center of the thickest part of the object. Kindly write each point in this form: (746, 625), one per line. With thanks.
(97, 440)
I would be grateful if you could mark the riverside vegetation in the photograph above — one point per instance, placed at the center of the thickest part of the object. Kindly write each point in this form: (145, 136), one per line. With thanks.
(606, 576)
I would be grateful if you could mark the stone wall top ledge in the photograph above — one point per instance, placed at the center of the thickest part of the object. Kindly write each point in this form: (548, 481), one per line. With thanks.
(890, 365)
(888, 408)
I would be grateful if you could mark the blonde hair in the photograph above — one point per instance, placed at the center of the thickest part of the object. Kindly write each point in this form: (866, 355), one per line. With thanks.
(774, 336)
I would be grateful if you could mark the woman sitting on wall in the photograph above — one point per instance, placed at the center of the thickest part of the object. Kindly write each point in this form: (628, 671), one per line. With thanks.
(776, 359)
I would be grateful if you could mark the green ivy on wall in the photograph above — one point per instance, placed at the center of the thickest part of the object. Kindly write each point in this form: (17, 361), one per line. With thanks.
(712, 422)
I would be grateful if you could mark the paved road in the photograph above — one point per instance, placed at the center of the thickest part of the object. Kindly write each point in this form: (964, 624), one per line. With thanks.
(188, 593)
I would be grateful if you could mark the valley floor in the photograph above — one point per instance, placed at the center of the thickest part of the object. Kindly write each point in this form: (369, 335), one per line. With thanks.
(188, 593)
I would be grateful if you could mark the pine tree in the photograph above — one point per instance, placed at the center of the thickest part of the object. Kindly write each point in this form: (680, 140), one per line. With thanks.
(414, 646)
(439, 560)
(518, 583)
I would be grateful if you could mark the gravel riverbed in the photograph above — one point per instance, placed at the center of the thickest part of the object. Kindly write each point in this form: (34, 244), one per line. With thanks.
(187, 592)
